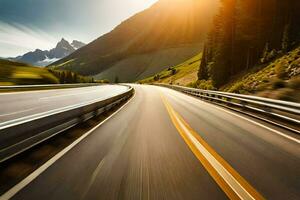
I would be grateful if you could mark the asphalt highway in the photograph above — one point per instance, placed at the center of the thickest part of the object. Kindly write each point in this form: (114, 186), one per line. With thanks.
(166, 145)
(20, 104)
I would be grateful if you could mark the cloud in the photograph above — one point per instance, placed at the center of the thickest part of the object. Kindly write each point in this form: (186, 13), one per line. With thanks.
(26, 25)
(17, 39)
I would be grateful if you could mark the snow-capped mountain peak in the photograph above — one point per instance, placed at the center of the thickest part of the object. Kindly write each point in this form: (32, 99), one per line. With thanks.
(46, 57)
(77, 44)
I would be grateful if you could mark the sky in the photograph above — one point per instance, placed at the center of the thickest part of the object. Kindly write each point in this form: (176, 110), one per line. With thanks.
(26, 25)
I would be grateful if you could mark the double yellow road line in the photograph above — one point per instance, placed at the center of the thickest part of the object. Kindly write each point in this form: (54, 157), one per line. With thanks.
(233, 184)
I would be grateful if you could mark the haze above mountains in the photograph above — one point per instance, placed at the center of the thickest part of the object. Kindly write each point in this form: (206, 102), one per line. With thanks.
(164, 35)
(46, 57)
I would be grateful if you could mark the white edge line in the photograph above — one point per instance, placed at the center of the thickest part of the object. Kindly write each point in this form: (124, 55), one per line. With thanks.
(36, 116)
(41, 91)
(17, 112)
(249, 120)
(18, 187)
(52, 90)
(72, 94)
(92, 179)
(261, 125)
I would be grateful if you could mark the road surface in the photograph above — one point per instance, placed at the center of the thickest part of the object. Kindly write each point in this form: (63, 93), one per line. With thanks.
(21, 104)
(166, 145)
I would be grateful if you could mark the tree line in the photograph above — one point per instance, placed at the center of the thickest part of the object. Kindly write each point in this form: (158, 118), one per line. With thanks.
(68, 77)
(246, 33)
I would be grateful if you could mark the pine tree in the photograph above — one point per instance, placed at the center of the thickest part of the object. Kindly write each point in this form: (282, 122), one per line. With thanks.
(285, 39)
(116, 79)
(265, 54)
(62, 77)
(203, 72)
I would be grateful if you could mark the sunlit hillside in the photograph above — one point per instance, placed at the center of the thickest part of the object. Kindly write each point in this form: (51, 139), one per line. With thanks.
(153, 33)
(280, 79)
(181, 74)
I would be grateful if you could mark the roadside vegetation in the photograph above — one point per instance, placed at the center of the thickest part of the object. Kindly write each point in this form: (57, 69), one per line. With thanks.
(277, 79)
(70, 77)
(280, 79)
(15, 73)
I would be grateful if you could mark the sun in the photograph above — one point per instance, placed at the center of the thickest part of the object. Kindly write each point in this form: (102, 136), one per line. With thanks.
(143, 3)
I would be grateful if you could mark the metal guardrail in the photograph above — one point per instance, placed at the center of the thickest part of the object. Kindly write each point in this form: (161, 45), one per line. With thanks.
(21, 134)
(287, 111)
(46, 86)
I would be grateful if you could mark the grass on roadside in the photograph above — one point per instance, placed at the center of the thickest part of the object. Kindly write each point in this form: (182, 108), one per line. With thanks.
(279, 79)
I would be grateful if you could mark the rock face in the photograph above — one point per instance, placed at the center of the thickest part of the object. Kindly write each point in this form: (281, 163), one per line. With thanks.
(44, 58)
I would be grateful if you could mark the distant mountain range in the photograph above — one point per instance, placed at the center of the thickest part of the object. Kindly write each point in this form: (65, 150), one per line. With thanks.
(167, 33)
(46, 57)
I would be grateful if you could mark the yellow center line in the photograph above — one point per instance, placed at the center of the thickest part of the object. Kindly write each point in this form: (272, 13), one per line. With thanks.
(233, 184)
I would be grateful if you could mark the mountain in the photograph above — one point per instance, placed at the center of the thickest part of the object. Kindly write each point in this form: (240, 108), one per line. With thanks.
(77, 44)
(167, 33)
(44, 58)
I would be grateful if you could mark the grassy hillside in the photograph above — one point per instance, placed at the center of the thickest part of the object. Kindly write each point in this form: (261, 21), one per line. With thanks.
(13, 73)
(145, 65)
(181, 74)
(130, 47)
(279, 79)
